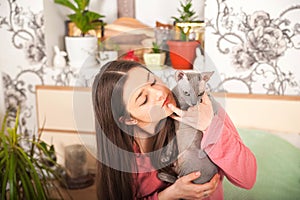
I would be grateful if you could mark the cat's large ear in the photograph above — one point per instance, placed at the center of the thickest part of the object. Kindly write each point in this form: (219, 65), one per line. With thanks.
(206, 75)
(179, 75)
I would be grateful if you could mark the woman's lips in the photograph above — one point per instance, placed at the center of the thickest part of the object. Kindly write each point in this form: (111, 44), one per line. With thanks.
(166, 101)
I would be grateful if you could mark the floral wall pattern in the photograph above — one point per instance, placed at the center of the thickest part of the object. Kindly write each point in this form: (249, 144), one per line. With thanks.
(23, 59)
(253, 50)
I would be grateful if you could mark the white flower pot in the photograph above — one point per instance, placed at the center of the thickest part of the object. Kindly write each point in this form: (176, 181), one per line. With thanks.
(81, 51)
(154, 60)
(106, 56)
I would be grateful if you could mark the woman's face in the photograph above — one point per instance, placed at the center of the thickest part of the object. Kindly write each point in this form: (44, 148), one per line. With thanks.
(146, 96)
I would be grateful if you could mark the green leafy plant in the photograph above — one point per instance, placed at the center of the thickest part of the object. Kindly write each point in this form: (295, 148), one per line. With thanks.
(156, 48)
(24, 174)
(84, 19)
(186, 15)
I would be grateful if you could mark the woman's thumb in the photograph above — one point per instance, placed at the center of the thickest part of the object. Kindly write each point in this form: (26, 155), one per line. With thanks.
(192, 176)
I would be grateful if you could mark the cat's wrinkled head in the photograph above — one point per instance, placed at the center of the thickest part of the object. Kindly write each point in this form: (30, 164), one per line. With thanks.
(191, 85)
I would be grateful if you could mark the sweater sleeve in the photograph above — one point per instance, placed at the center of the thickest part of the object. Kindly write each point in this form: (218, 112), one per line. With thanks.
(226, 149)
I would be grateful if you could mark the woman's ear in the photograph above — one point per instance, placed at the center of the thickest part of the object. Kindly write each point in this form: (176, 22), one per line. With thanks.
(128, 121)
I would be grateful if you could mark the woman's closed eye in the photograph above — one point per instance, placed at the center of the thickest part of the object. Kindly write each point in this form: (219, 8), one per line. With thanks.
(145, 101)
(146, 96)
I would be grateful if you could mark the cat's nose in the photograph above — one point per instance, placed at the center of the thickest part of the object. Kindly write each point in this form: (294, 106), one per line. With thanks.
(193, 101)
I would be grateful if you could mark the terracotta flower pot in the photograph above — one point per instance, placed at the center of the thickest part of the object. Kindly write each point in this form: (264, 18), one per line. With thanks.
(182, 53)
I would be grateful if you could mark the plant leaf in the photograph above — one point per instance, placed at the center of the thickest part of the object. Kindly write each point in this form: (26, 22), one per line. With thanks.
(25, 181)
(12, 176)
(82, 4)
(17, 119)
(4, 184)
(92, 16)
(19, 169)
(4, 124)
(33, 173)
(3, 158)
(67, 3)
(25, 172)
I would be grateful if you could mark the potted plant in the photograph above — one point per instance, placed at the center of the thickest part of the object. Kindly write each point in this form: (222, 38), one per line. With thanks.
(26, 173)
(156, 57)
(182, 49)
(82, 49)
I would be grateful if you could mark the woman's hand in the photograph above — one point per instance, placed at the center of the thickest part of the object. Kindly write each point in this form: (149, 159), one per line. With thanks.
(184, 188)
(198, 116)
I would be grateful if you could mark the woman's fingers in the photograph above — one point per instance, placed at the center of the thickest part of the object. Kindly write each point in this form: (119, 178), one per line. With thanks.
(189, 117)
(198, 116)
(190, 190)
(176, 110)
(176, 117)
(210, 187)
(215, 180)
(192, 176)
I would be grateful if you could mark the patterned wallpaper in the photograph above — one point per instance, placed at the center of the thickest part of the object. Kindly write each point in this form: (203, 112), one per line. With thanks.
(255, 49)
(23, 59)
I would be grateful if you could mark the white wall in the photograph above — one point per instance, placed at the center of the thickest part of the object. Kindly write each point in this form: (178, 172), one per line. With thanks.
(269, 113)
(2, 107)
(150, 11)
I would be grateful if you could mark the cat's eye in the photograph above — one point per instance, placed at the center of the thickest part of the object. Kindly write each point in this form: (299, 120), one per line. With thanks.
(186, 93)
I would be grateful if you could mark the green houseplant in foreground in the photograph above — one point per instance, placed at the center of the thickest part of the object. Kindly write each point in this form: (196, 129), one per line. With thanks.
(24, 172)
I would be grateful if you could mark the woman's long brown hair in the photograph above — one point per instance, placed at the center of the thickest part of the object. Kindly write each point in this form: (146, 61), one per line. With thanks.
(114, 180)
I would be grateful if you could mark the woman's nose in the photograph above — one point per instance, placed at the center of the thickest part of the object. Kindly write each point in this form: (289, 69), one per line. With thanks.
(156, 93)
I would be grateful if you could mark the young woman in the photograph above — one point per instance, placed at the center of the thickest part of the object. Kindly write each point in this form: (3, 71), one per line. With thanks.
(135, 114)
